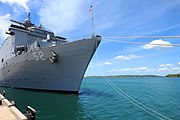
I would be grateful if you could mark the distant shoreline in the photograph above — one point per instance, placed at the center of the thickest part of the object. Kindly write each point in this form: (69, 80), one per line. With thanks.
(123, 76)
(134, 76)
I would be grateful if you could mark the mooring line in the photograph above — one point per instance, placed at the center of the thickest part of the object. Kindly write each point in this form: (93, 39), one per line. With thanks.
(126, 37)
(134, 103)
(131, 99)
(137, 102)
(141, 43)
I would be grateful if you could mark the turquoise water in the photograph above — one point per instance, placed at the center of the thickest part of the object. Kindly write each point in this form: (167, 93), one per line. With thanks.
(99, 101)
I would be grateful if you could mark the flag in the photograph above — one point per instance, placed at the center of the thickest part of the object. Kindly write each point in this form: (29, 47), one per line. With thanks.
(90, 10)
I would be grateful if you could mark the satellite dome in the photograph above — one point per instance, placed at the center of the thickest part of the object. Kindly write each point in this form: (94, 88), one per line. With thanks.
(26, 21)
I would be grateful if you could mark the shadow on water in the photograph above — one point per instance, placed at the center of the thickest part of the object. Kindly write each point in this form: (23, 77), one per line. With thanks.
(94, 93)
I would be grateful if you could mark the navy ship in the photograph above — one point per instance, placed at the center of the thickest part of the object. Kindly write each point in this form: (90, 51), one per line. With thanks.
(34, 58)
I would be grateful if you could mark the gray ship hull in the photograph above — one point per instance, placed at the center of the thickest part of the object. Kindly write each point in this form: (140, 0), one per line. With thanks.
(33, 70)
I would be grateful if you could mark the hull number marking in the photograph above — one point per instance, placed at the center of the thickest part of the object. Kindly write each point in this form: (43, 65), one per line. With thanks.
(39, 56)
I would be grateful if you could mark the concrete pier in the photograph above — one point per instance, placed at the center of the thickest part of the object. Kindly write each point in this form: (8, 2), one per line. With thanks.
(8, 111)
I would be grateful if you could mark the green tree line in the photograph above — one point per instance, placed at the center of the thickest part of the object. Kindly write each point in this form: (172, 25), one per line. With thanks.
(173, 75)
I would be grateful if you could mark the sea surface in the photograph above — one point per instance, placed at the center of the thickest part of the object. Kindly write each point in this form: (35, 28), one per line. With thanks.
(106, 99)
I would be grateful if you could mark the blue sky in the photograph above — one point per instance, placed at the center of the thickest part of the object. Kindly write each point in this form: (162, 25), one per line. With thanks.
(113, 18)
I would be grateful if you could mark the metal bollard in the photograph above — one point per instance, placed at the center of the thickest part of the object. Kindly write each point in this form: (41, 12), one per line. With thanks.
(0, 102)
(13, 103)
(3, 93)
(30, 113)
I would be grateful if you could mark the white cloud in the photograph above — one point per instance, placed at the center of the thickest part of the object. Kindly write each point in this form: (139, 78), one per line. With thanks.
(156, 44)
(4, 23)
(163, 69)
(121, 57)
(62, 16)
(175, 68)
(166, 65)
(127, 57)
(137, 69)
(179, 63)
(169, 70)
(99, 64)
(108, 63)
(113, 70)
(144, 70)
(22, 3)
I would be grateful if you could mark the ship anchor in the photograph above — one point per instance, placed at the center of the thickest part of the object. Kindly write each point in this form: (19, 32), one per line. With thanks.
(54, 58)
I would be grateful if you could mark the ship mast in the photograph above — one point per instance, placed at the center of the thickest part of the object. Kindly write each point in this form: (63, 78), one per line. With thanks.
(28, 16)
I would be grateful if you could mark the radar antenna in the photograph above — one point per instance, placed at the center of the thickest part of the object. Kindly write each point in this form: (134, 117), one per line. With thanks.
(27, 23)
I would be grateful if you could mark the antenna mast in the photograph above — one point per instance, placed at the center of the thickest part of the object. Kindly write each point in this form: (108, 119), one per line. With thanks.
(91, 10)
(29, 16)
